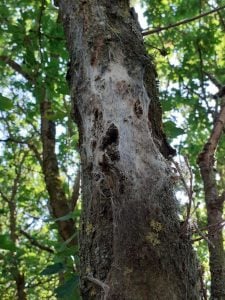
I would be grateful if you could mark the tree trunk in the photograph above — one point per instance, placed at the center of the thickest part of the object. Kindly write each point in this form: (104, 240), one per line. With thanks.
(15, 267)
(130, 243)
(58, 200)
(214, 207)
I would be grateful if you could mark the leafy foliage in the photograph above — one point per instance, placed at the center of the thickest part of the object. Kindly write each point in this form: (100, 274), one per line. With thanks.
(33, 63)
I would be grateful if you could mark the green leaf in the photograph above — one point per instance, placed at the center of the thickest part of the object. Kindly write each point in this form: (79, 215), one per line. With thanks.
(172, 130)
(5, 103)
(67, 288)
(53, 269)
(6, 243)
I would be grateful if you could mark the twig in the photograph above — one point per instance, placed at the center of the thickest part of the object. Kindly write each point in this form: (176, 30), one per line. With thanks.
(203, 236)
(35, 243)
(217, 226)
(16, 67)
(189, 191)
(4, 197)
(214, 80)
(182, 178)
(42, 8)
(104, 286)
(27, 142)
(185, 21)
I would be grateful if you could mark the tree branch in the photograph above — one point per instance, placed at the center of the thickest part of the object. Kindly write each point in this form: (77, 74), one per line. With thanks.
(99, 283)
(35, 243)
(31, 146)
(4, 197)
(16, 67)
(185, 21)
(214, 80)
(207, 155)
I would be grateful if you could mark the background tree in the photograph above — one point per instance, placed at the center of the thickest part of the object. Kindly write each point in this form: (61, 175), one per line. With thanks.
(35, 159)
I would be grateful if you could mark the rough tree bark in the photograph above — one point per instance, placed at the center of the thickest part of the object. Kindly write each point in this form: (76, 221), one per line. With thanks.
(130, 243)
(214, 207)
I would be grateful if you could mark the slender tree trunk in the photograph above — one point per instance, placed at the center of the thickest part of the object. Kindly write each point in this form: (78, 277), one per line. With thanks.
(15, 268)
(58, 200)
(214, 206)
(131, 247)
(20, 285)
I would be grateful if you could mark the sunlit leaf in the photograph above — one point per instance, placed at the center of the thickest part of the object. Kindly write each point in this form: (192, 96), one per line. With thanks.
(5, 103)
(172, 130)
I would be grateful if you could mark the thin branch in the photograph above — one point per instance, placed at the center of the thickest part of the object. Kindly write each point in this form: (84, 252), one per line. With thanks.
(203, 236)
(186, 87)
(17, 179)
(10, 139)
(222, 22)
(189, 191)
(31, 146)
(207, 154)
(16, 67)
(213, 79)
(41, 13)
(4, 197)
(185, 21)
(35, 243)
(215, 226)
(221, 198)
(190, 194)
(202, 77)
(104, 286)
(24, 111)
